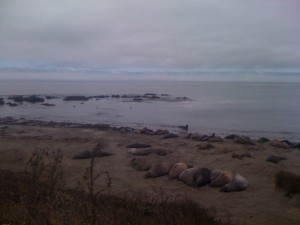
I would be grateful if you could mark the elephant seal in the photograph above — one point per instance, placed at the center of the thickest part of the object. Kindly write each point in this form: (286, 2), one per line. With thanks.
(202, 177)
(188, 175)
(238, 183)
(151, 150)
(141, 164)
(220, 177)
(158, 169)
(176, 170)
(89, 153)
(138, 145)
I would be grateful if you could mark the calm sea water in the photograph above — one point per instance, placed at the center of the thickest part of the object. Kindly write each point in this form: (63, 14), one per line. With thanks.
(253, 109)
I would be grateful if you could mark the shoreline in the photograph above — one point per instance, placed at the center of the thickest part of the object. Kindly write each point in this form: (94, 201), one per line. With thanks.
(18, 141)
(178, 130)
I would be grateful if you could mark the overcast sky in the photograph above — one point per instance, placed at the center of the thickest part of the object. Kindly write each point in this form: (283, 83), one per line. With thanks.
(176, 34)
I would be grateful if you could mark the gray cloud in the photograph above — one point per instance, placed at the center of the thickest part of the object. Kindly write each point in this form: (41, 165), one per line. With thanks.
(147, 33)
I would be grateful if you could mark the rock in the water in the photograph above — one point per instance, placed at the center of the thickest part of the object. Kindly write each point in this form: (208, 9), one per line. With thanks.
(275, 158)
(16, 98)
(76, 98)
(48, 104)
(220, 177)
(33, 99)
(138, 145)
(11, 104)
(89, 153)
(176, 170)
(238, 183)
(158, 169)
(279, 144)
(262, 140)
(204, 145)
(202, 177)
(2, 102)
(170, 135)
(141, 163)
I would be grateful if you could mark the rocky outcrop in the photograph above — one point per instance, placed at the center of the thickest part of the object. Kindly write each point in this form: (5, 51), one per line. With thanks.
(76, 98)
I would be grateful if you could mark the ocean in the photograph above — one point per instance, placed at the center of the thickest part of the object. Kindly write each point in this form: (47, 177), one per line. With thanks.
(249, 108)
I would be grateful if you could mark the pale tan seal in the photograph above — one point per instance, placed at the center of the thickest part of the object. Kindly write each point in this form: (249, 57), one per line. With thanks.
(176, 169)
(220, 177)
(238, 183)
(188, 175)
(158, 169)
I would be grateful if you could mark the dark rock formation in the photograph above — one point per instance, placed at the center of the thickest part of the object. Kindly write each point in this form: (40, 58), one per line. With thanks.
(2, 102)
(76, 98)
(48, 104)
(33, 99)
(11, 104)
(16, 98)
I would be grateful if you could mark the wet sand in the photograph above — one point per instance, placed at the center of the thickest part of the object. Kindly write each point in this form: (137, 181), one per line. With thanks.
(261, 203)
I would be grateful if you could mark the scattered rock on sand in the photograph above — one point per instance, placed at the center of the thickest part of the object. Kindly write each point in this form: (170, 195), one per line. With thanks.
(33, 99)
(2, 102)
(215, 139)
(88, 154)
(220, 177)
(158, 169)
(76, 98)
(138, 145)
(145, 130)
(11, 104)
(275, 158)
(177, 169)
(238, 183)
(160, 132)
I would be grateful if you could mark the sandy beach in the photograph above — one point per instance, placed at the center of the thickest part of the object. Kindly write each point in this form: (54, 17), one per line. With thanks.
(261, 203)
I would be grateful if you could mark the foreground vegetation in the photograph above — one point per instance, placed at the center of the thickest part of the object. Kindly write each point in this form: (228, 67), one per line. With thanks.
(38, 196)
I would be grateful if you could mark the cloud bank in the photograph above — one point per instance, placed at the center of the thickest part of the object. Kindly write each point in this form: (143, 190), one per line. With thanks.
(166, 34)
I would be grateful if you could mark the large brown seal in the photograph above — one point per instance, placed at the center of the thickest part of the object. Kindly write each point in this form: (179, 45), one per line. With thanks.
(238, 183)
(158, 169)
(177, 169)
(220, 177)
(202, 177)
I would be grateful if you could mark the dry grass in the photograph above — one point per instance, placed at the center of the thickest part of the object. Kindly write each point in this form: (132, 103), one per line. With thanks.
(38, 196)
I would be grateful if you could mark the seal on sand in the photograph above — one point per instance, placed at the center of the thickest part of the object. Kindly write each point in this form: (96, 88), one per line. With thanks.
(202, 177)
(176, 169)
(158, 169)
(238, 183)
(220, 177)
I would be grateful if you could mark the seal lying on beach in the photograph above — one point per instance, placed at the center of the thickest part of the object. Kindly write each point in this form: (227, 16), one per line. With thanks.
(158, 169)
(89, 153)
(238, 183)
(142, 163)
(195, 176)
(288, 181)
(176, 170)
(147, 151)
(220, 177)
